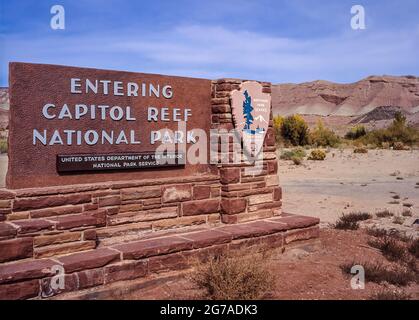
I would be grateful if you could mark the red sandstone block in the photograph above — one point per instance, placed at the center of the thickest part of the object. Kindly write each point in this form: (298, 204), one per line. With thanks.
(49, 286)
(302, 234)
(141, 193)
(16, 249)
(221, 108)
(200, 207)
(207, 238)
(109, 201)
(64, 248)
(229, 175)
(19, 291)
(272, 166)
(2, 217)
(125, 270)
(59, 211)
(216, 101)
(7, 230)
(33, 225)
(229, 218)
(277, 193)
(89, 259)
(6, 194)
(270, 137)
(90, 278)
(170, 262)
(90, 235)
(176, 193)
(153, 247)
(295, 221)
(46, 240)
(232, 206)
(24, 270)
(253, 229)
(201, 192)
(95, 218)
(21, 204)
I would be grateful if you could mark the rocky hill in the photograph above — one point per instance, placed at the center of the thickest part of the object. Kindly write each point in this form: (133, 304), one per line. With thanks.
(323, 98)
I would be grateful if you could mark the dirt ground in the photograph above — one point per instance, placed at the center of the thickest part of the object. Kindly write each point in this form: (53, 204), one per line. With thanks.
(305, 272)
(347, 182)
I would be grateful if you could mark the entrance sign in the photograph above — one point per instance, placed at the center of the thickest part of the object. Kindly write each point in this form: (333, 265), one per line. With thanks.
(80, 120)
(100, 162)
(251, 110)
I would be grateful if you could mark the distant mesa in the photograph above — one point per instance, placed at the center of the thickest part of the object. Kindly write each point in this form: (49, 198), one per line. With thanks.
(324, 98)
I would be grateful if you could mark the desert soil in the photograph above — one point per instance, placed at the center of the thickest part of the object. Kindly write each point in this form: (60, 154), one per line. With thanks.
(347, 182)
(304, 272)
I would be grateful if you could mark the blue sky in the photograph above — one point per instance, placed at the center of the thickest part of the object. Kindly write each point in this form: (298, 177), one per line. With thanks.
(277, 41)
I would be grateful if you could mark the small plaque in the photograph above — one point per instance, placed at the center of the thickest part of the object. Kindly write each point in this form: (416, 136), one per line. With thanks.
(118, 161)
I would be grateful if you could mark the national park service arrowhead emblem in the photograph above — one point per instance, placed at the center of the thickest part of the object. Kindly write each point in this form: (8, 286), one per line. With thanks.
(251, 110)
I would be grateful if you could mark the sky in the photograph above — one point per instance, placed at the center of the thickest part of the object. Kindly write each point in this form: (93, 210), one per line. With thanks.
(279, 41)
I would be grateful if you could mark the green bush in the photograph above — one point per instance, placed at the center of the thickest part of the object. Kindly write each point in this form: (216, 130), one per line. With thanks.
(297, 161)
(278, 120)
(397, 132)
(324, 137)
(294, 153)
(3, 145)
(294, 130)
(317, 154)
(356, 133)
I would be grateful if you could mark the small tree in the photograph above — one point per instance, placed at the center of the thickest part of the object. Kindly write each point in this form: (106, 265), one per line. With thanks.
(295, 130)
(247, 110)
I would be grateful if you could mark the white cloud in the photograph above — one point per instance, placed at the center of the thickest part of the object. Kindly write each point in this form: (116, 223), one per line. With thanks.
(214, 51)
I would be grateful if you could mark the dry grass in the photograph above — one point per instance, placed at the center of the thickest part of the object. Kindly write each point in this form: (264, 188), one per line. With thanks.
(384, 214)
(407, 213)
(351, 220)
(235, 276)
(398, 220)
(388, 294)
(390, 247)
(413, 248)
(378, 273)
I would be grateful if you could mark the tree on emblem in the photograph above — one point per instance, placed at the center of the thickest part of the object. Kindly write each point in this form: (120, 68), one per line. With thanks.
(247, 110)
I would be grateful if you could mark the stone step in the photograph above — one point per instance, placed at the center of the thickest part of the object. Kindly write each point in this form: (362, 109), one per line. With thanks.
(160, 253)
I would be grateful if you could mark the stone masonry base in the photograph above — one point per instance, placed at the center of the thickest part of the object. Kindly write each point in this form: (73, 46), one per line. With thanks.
(153, 257)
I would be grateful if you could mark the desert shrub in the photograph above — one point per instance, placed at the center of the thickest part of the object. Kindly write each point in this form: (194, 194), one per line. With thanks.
(399, 146)
(384, 213)
(413, 248)
(408, 205)
(3, 145)
(378, 273)
(388, 294)
(350, 221)
(395, 234)
(278, 120)
(398, 131)
(360, 150)
(297, 161)
(240, 276)
(407, 213)
(356, 133)
(385, 145)
(390, 247)
(317, 154)
(398, 220)
(294, 153)
(323, 137)
(295, 131)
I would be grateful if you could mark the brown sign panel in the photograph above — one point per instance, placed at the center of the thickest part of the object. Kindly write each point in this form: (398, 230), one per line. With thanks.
(59, 110)
(130, 161)
(251, 110)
